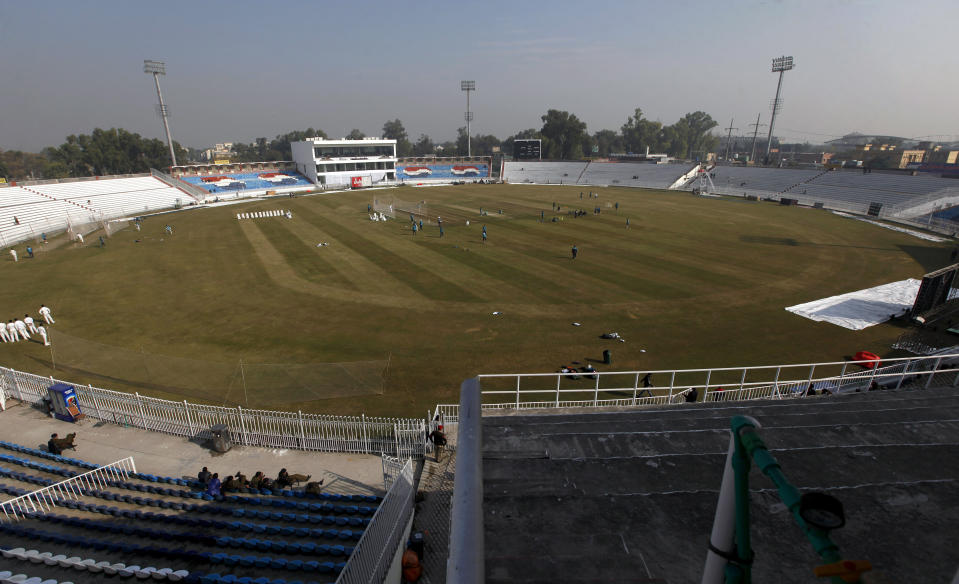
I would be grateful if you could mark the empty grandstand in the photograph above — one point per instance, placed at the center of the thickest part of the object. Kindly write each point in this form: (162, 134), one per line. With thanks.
(30, 209)
(250, 183)
(894, 195)
(624, 174)
(443, 170)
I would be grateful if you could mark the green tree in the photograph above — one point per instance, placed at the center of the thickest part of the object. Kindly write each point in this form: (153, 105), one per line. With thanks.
(355, 134)
(424, 146)
(638, 133)
(394, 130)
(565, 135)
(694, 129)
(483, 144)
(608, 142)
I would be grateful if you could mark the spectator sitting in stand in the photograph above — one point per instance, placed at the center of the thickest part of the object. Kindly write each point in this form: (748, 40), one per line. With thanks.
(52, 446)
(213, 487)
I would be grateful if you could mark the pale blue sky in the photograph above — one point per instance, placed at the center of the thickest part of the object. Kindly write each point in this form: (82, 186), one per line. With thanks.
(238, 70)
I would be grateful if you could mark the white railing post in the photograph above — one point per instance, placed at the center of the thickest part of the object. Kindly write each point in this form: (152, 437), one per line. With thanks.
(366, 436)
(517, 391)
(776, 382)
(742, 380)
(812, 370)
(596, 392)
(672, 384)
(239, 415)
(93, 397)
(16, 385)
(559, 379)
(932, 373)
(842, 374)
(709, 374)
(635, 387)
(189, 422)
(143, 419)
(299, 414)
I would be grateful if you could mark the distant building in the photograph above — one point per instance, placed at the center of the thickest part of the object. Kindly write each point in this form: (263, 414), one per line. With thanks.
(856, 139)
(911, 157)
(346, 162)
(220, 151)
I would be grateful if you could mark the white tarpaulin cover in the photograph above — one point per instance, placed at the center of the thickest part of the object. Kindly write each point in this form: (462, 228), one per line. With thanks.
(863, 308)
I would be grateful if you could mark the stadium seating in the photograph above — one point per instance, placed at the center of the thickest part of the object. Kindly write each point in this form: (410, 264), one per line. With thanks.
(848, 189)
(758, 181)
(533, 171)
(249, 181)
(50, 208)
(633, 174)
(165, 528)
(626, 174)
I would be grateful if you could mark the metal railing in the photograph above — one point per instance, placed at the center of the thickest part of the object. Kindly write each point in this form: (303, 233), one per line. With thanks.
(42, 500)
(194, 191)
(377, 548)
(626, 388)
(250, 427)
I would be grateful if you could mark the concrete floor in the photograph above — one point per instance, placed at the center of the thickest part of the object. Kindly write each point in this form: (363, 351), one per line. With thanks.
(162, 454)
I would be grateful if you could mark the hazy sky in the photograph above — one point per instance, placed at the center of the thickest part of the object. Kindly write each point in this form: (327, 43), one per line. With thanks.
(238, 70)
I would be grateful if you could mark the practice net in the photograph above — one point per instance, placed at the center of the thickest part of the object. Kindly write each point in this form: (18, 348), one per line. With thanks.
(399, 209)
(238, 383)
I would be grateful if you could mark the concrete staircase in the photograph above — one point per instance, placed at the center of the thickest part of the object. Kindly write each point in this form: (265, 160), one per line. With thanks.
(621, 496)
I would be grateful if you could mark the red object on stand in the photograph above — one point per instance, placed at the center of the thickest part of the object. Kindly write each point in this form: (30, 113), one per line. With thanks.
(867, 356)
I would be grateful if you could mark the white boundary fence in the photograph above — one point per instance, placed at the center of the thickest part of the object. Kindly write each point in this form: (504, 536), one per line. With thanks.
(376, 550)
(625, 388)
(46, 498)
(266, 428)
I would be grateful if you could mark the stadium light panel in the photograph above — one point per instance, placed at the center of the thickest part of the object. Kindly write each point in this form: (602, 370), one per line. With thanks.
(782, 64)
(155, 67)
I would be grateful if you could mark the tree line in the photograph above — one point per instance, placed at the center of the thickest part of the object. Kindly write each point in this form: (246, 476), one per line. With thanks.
(100, 153)
(564, 136)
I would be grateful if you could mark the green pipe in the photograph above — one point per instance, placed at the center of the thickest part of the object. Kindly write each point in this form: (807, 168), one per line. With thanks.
(749, 446)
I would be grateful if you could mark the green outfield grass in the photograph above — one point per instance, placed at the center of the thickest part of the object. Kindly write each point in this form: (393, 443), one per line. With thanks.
(694, 282)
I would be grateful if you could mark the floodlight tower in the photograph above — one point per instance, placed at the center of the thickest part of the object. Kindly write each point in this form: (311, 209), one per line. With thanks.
(780, 65)
(158, 68)
(468, 86)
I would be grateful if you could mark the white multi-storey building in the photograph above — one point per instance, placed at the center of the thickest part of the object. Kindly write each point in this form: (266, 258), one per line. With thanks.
(346, 162)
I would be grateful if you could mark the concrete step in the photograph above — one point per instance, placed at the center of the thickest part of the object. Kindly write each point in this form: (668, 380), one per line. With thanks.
(713, 413)
(694, 472)
(671, 530)
(824, 431)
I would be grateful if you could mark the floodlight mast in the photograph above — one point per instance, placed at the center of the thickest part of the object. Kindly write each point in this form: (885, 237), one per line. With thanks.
(780, 65)
(468, 86)
(157, 68)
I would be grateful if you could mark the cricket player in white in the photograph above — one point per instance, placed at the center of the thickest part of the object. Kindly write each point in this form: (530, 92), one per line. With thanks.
(45, 313)
(22, 329)
(13, 252)
(12, 331)
(28, 320)
(43, 334)
(3, 334)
